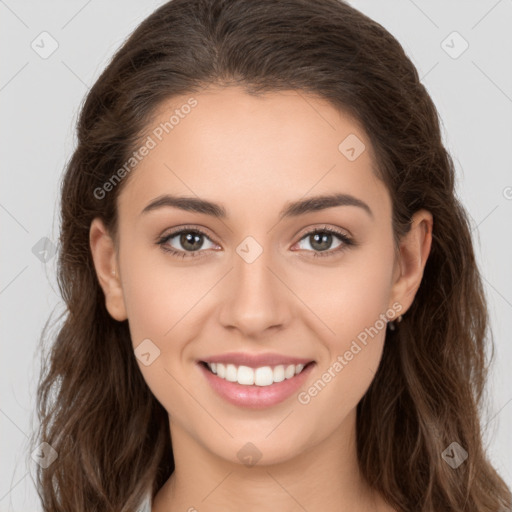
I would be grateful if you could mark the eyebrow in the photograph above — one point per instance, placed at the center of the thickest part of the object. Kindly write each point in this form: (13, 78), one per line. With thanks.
(291, 209)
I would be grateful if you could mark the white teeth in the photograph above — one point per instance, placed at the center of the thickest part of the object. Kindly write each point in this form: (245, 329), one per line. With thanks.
(245, 375)
(231, 373)
(262, 376)
(221, 370)
(290, 371)
(279, 373)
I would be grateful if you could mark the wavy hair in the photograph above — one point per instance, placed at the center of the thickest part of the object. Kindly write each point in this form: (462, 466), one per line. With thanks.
(111, 434)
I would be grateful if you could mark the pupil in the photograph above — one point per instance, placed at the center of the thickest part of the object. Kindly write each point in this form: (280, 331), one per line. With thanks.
(191, 241)
(325, 240)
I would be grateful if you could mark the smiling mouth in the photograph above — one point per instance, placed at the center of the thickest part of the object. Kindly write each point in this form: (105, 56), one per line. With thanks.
(260, 376)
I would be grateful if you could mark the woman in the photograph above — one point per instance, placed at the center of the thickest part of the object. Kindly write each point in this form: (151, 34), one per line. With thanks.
(273, 300)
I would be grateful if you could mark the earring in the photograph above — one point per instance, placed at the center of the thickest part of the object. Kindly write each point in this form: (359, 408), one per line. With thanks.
(113, 272)
(392, 325)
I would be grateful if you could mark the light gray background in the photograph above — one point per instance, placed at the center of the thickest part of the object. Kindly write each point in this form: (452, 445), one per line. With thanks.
(39, 101)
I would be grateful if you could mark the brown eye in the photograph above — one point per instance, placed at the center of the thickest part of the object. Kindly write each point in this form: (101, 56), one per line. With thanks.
(321, 240)
(186, 242)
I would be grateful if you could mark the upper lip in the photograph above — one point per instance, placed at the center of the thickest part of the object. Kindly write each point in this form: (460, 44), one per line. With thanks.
(255, 360)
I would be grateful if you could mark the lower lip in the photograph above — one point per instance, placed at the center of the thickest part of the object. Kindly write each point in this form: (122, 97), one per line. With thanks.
(256, 397)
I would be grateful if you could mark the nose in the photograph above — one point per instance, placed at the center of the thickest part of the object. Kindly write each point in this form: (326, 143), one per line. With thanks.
(256, 298)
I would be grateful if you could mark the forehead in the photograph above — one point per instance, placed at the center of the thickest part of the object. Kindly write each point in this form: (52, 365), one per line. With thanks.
(238, 149)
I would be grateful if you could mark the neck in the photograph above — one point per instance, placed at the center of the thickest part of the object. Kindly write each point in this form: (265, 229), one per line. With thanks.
(325, 476)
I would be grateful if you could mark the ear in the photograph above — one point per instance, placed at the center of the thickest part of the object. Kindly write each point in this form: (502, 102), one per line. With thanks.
(104, 257)
(412, 257)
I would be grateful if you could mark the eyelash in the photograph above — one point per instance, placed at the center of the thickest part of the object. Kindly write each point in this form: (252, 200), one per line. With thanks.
(347, 242)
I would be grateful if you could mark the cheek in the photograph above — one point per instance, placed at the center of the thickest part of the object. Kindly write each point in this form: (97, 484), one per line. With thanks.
(157, 294)
(157, 300)
(353, 356)
(352, 303)
(350, 297)
(161, 300)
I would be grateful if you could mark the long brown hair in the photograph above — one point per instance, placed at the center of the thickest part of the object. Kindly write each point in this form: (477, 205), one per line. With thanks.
(95, 409)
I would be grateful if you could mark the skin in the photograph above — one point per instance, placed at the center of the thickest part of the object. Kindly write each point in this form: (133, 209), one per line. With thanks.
(253, 155)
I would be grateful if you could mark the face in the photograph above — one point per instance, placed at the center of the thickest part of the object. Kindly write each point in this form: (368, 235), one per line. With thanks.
(259, 281)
